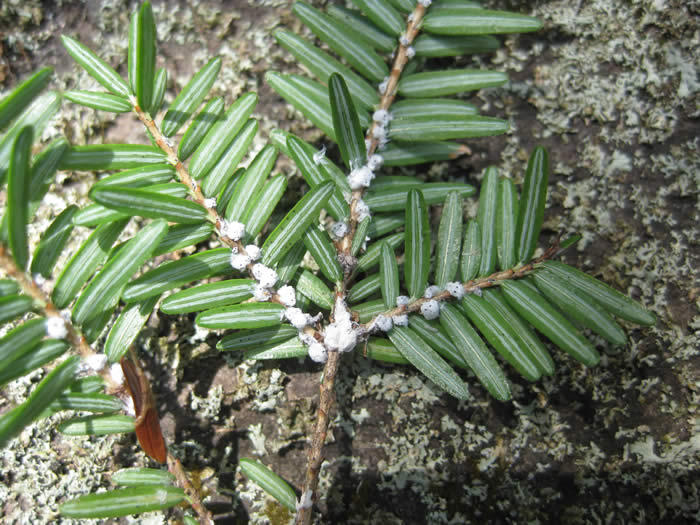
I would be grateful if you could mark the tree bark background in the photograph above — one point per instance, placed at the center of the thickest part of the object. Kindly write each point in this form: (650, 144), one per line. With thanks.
(611, 89)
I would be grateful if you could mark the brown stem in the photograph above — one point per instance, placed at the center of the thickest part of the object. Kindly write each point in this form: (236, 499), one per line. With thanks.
(313, 466)
(474, 285)
(164, 144)
(77, 341)
(47, 309)
(175, 468)
(183, 175)
(330, 370)
(400, 61)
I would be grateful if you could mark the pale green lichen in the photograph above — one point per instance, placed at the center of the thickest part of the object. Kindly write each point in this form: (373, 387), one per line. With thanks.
(208, 408)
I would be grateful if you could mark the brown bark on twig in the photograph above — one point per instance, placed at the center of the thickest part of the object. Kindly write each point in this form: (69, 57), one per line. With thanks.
(47, 309)
(327, 389)
(387, 98)
(175, 467)
(474, 285)
(315, 460)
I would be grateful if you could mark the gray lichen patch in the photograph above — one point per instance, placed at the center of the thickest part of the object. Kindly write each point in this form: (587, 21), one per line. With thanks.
(42, 468)
(611, 89)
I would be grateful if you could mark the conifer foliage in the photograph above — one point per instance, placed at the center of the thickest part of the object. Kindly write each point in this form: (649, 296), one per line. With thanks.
(442, 299)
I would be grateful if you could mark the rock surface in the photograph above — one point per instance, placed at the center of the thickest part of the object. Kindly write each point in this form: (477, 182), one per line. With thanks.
(611, 89)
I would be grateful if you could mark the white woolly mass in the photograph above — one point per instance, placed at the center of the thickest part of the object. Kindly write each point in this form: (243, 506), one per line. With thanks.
(379, 132)
(430, 309)
(305, 338)
(375, 161)
(400, 320)
(313, 319)
(339, 230)
(425, 3)
(116, 373)
(477, 292)
(361, 210)
(432, 291)
(39, 279)
(296, 317)
(381, 117)
(403, 40)
(384, 84)
(265, 275)
(360, 178)
(380, 135)
(305, 501)
(234, 230)
(260, 293)
(341, 334)
(456, 289)
(410, 52)
(320, 155)
(402, 300)
(56, 328)
(210, 203)
(93, 362)
(239, 261)
(287, 295)
(253, 252)
(382, 323)
(318, 353)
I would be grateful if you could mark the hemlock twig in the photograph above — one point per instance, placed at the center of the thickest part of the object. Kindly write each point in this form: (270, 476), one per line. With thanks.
(327, 388)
